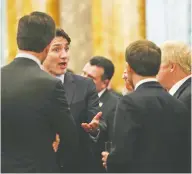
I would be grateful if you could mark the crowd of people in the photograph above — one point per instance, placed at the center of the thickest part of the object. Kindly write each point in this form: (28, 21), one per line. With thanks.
(54, 121)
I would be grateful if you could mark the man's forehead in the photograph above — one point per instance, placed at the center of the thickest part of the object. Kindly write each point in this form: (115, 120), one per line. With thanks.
(59, 41)
(87, 65)
(95, 70)
(92, 68)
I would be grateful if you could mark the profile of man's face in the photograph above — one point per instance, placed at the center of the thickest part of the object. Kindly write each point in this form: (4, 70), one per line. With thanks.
(127, 76)
(164, 76)
(58, 56)
(95, 73)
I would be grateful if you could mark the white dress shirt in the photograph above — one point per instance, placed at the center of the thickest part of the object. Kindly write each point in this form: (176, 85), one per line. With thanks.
(144, 81)
(61, 77)
(177, 85)
(101, 92)
(29, 56)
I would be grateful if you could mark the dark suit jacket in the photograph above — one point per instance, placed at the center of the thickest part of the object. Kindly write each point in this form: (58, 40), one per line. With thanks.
(108, 103)
(34, 109)
(184, 93)
(117, 94)
(84, 105)
(151, 133)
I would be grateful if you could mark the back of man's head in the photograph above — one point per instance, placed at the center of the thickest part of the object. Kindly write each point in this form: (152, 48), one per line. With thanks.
(104, 63)
(35, 32)
(177, 52)
(144, 57)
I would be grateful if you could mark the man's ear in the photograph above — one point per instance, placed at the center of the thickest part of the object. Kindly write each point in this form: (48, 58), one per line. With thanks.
(106, 82)
(173, 67)
(47, 48)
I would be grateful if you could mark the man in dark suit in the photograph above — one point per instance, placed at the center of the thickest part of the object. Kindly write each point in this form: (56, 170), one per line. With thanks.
(83, 101)
(34, 107)
(175, 71)
(151, 127)
(175, 74)
(101, 70)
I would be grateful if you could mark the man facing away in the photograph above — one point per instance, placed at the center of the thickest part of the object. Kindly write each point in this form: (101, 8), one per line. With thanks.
(83, 101)
(34, 107)
(151, 126)
(101, 70)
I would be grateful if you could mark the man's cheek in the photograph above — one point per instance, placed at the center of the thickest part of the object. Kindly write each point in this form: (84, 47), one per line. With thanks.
(53, 59)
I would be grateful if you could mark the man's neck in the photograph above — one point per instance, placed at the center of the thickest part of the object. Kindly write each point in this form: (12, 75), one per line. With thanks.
(137, 78)
(37, 55)
(53, 74)
(101, 92)
(178, 76)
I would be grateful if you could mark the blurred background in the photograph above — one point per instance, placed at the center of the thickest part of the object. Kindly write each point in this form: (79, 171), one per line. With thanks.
(101, 27)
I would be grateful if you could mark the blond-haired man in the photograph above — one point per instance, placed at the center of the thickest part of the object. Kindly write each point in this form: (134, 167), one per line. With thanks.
(175, 76)
(175, 71)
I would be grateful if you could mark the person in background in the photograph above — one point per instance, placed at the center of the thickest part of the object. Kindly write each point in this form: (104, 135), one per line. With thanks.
(101, 70)
(175, 75)
(83, 103)
(175, 70)
(33, 103)
(127, 88)
(151, 132)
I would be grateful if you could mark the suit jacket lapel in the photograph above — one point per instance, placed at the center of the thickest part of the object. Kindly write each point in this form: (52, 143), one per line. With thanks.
(182, 88)
(70, 87)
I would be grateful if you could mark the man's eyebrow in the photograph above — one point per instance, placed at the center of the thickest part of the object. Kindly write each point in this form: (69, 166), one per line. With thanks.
(55, 45)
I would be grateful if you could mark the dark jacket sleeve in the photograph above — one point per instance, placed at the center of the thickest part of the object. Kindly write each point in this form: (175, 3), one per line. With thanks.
(92, 100)
(63, 123)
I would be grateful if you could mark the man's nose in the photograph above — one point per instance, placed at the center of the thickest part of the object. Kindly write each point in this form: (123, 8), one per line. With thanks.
(63, 54)
(124, 76)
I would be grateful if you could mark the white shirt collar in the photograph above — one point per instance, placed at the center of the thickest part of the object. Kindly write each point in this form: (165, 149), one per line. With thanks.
(29, 56)
(101, 92)
(177, 85)
(61, 77)
(144, 81)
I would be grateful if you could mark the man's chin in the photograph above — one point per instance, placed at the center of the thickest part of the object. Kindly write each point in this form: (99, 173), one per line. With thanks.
(61, 71)
(57, 73)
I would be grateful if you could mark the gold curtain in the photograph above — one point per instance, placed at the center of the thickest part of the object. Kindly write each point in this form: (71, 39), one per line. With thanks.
(16, 9)
(116, 23)
(11, 29)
